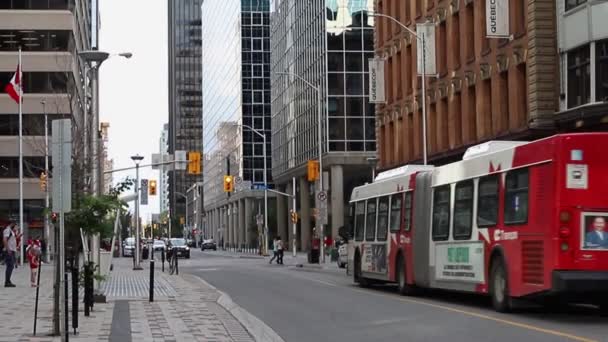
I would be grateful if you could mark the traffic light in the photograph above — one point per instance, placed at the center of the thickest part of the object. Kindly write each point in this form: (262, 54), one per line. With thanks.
(194, 163)
(294, 217)
(313, 170)
(54, 217)
(43, 181)
(152, 187)
(228, 183)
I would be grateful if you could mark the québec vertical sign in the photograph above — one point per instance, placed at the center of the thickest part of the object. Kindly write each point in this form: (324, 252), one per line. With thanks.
(376, 80)
(497, 18)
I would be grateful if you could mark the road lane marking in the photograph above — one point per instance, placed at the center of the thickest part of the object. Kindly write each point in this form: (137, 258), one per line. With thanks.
(323, 282)
(486, 317)
(207, 269)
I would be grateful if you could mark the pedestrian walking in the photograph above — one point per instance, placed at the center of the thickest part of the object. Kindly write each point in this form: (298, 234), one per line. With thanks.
(33, 258)
(279, 250)
(275, 254)
(10, 250)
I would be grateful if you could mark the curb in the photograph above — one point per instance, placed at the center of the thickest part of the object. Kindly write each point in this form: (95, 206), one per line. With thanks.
(259, 330)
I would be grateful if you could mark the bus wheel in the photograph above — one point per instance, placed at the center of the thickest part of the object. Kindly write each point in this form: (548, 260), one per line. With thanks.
(405, 289)
(499, 288)
(358, 278)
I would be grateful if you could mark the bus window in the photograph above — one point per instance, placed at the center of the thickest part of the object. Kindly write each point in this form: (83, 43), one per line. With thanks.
(487, 201)
(463, 210)
(382, 219)
(395, 212)
(407, 216)
(441, 213)
(359, 220)
(516, 197)
(370, 220)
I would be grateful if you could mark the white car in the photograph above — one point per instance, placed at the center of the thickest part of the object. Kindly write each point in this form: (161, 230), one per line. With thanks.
(343, 255)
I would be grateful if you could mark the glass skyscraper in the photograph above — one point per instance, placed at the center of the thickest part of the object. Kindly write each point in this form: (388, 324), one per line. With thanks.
(236, 98)
(185, 103)
(328, 44)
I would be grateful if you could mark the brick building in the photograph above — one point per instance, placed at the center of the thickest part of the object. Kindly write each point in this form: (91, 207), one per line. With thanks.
(485, 88)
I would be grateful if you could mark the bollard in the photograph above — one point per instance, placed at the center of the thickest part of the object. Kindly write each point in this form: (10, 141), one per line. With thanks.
(152, 280)
(37, 295)
(162, 258)
(176, 262)
(75, 277)
(88, 288)
(65, 307)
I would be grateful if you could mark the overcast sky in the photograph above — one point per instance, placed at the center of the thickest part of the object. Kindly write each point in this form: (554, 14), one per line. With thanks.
(133, 92)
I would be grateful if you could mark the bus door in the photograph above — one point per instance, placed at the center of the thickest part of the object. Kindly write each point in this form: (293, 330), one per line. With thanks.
(374, 253)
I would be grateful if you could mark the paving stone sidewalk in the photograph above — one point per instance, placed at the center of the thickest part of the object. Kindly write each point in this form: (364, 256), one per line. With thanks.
(184, 309)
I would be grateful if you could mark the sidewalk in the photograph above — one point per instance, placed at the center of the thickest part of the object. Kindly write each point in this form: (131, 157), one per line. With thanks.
(185, 308)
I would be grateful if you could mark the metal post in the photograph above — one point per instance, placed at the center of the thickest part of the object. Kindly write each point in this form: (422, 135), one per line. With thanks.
(47, 230)
(24, 237)
(319, 142)
(66, 323)
(294, 223)
(137, 228)
(151, 299)
(424, 137)
(95, 133)
(265, 197)
(85, 119)
(186, 198)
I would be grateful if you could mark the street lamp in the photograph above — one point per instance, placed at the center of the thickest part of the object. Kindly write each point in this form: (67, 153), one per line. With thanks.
(186, 199)
(319, 139)
(422, 38)
(265, 184)
(373, 161)
(137, 159)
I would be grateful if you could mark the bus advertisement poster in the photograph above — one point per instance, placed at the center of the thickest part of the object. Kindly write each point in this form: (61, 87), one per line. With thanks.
(459, 261)
(375, 258)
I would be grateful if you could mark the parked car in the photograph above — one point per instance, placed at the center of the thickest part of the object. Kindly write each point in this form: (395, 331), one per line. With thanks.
(342, 255)
(180, 246)
(158, 246)
(128, 247)
(208, 244)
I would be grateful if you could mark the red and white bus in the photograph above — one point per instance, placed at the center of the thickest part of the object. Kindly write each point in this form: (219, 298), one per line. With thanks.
(512, 220)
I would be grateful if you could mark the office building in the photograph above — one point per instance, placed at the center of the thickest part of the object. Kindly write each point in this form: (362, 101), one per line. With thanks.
(50, 33)
(328, 44)
(185, 104)
(583, 46)
(485, 89)
(236, 105)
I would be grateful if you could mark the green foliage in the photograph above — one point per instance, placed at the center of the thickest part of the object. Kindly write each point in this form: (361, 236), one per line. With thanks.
(95, 214)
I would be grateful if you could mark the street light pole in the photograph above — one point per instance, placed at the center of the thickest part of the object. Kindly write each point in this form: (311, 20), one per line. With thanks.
(422, 38)
(47, 230)
(137, 266)
(185, 198)
(319, 141)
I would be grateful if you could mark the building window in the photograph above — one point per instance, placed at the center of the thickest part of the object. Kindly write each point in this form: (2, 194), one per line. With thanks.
(35, 40)
(455, 40)
(570, 4)
(469, 22)
(601, 70)
(40, 82)
(442, 52)
(516, 197)
(579, 79)
(441, 213)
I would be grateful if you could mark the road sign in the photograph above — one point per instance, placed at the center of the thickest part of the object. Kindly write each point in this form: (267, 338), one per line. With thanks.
(238, 180)
(61, 148)
(181, 160)
(322, 196)
(143, 195)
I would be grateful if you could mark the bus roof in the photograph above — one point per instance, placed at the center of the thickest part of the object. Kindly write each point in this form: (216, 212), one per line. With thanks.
(388, 182)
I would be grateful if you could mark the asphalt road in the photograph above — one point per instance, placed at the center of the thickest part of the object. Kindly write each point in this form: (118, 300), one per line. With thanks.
(324, 305)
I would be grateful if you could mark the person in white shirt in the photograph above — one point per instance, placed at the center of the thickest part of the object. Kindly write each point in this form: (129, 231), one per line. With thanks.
(275, 254)
(279, 250)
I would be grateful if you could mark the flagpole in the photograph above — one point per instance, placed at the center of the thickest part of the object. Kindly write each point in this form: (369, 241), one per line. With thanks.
(20, 72)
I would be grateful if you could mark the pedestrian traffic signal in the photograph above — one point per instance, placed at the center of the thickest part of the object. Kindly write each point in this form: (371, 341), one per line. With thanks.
(152, 187)
(313, 170)
(54, 217)
(228, 183)
(294, 217)
(194, 163)
(43, 181)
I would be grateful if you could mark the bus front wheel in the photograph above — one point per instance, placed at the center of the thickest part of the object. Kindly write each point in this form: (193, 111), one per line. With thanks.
(499, 287)
(405, 289)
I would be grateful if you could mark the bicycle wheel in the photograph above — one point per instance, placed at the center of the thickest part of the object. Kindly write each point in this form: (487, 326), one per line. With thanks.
(172, 266)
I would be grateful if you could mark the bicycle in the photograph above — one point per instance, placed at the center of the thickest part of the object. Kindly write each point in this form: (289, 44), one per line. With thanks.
(172, 262)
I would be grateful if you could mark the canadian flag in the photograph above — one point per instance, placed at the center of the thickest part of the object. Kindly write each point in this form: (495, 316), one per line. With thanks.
(13, 89)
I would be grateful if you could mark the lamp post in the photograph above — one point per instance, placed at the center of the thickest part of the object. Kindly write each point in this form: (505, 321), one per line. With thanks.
(265, 184)
(373, 161)
(137, 159)
(422, 38)
(319, 140)
(186, 199)
(47, 202)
